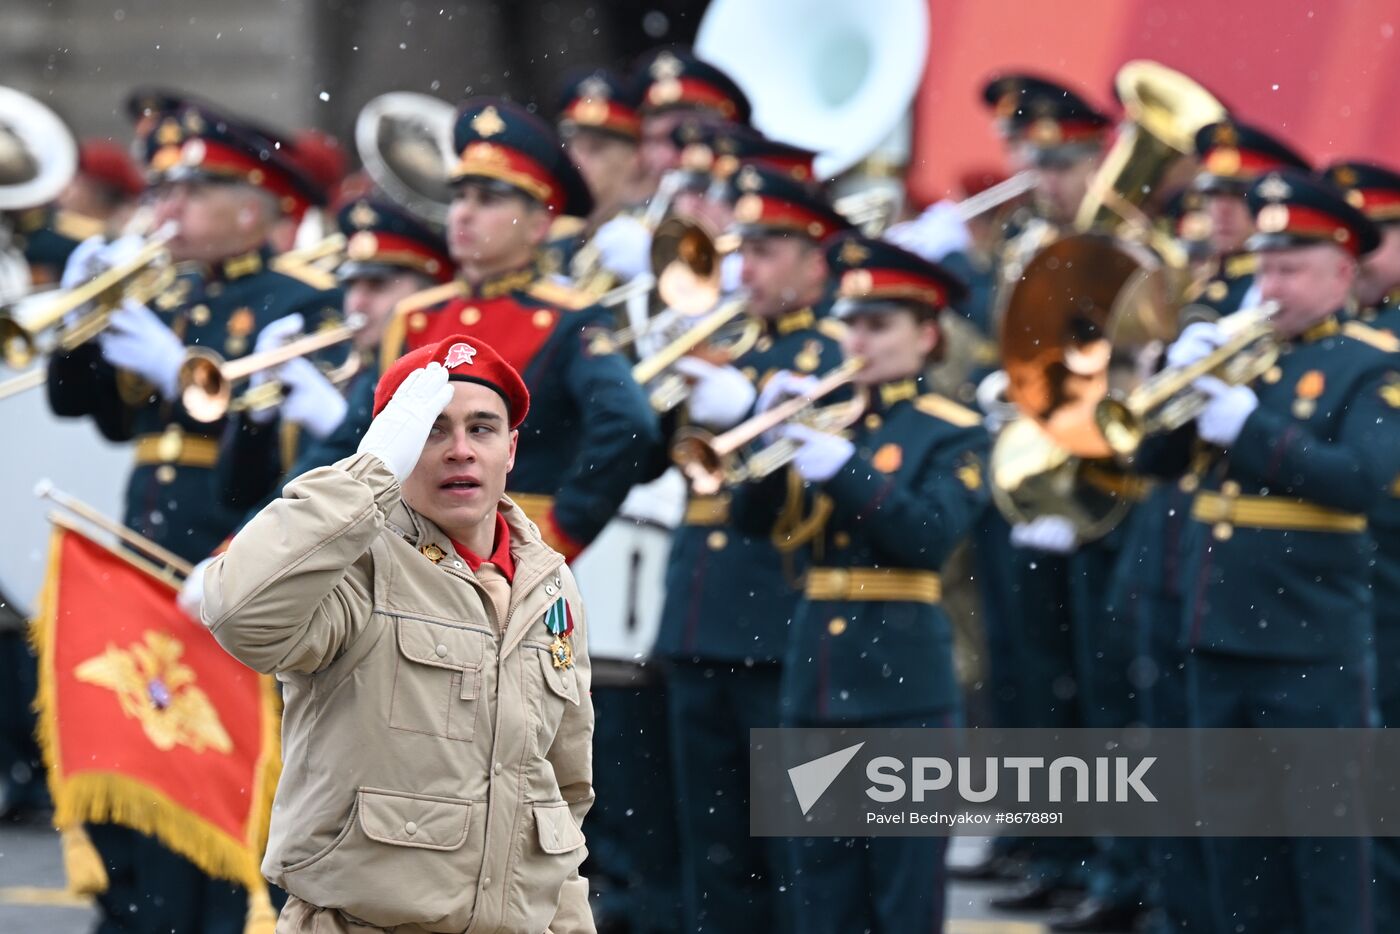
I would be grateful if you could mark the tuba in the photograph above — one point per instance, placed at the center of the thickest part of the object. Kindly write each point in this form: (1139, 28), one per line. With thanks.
(1092, 312)
(404, 140)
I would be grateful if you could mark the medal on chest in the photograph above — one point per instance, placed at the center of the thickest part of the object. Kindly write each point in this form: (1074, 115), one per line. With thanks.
(559, 620)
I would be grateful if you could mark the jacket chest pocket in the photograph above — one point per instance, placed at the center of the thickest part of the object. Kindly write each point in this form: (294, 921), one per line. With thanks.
(552, 690)
(437, 679)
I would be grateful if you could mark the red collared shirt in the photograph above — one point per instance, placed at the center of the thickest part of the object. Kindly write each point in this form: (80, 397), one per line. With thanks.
(500, 554)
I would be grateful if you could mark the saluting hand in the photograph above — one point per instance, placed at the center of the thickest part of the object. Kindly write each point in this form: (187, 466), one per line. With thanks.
(397, 434)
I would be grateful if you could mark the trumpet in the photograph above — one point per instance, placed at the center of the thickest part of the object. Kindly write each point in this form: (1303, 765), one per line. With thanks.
(671, 389)
(1168, 400)
(206, 381)
(711, 462)
(141, 278)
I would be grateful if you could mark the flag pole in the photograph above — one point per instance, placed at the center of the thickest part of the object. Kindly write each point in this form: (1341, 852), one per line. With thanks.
(45, 489)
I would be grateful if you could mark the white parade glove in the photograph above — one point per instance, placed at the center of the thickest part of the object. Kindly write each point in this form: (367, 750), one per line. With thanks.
(1053, 534)
(191, 596)
(1195, 342)
(83, 263)
(782, 385)
(271, 337)
(138, 341)
(821, 454)
(1223, 418)
(312, 401)
(731, 273)
(397, 434)
(934, 234)
(720, 396)
(624, 245)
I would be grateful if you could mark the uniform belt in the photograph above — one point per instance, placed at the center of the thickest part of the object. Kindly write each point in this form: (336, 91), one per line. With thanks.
(1273, 512)
(873, 584)
(707, 510)
(177, 447)
(536, 505)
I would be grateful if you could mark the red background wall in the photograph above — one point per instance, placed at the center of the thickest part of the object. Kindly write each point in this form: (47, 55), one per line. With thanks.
(1324, 75)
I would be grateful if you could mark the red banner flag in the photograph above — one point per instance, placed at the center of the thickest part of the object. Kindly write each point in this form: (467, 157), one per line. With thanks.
(144, 719)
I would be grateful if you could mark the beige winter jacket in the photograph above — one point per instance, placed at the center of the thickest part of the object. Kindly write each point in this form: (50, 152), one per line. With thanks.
(435, 775)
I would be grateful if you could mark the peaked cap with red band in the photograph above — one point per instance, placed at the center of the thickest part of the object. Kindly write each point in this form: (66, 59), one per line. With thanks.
(466, 360)
(769, 201)
(504, 143)
(1373, 189)
(870, 273)
(600, 101)
(674, 79)
(110, 164)
(1293, 209)
(1234, 154)
(1054, 123)
(200, 144)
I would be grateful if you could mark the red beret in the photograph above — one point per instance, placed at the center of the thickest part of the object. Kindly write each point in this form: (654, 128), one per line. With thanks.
(467, 360)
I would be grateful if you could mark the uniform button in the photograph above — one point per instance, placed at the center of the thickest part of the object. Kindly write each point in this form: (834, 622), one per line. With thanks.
(199, 315)
(496, 768)
(410, 828)
(1230, 488)
(485, 882)
(165, 474)
(872, 422)
(1273, 374)
(470, 315)
(717, 540)
(1222, 531)
(543, 319)
(551, 589)
(441, 650)
(1189, 483)
(841, 540)
(837, 626)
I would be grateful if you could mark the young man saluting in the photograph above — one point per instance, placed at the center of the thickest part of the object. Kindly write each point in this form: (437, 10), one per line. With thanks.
(438, 726)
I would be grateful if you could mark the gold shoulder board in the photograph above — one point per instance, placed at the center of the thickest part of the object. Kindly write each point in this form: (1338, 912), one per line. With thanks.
(309, 275)
(565, 226)
(558, 294)
(832, 328)
(1381, 340)
(946, 409)
(429, 297)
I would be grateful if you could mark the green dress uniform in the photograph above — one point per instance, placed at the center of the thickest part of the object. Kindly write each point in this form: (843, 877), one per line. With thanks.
(870, 644)
(1279, 611)
(1375, 190)
(172, 495)
(730, 598)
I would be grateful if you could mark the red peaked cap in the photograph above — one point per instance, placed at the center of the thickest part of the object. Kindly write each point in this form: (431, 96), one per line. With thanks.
(467, 360)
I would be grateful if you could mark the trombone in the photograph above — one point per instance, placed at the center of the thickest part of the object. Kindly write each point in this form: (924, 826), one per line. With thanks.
(711, 462)
(206, 381)
(1168, 400)
(671, 389)
(141, 278)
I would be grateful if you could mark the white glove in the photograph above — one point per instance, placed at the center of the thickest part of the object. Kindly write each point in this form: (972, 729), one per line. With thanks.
(271, 337)
(312, 401)
(720, 396)
(1223, 418)
(731, 273)
(138, 341)
(624, 245)
(934, 234)
(1195, 342)
(782, 385)
(191, 596)
(397, 434)
(83, 263)
(821, 454)
(1053, 534)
